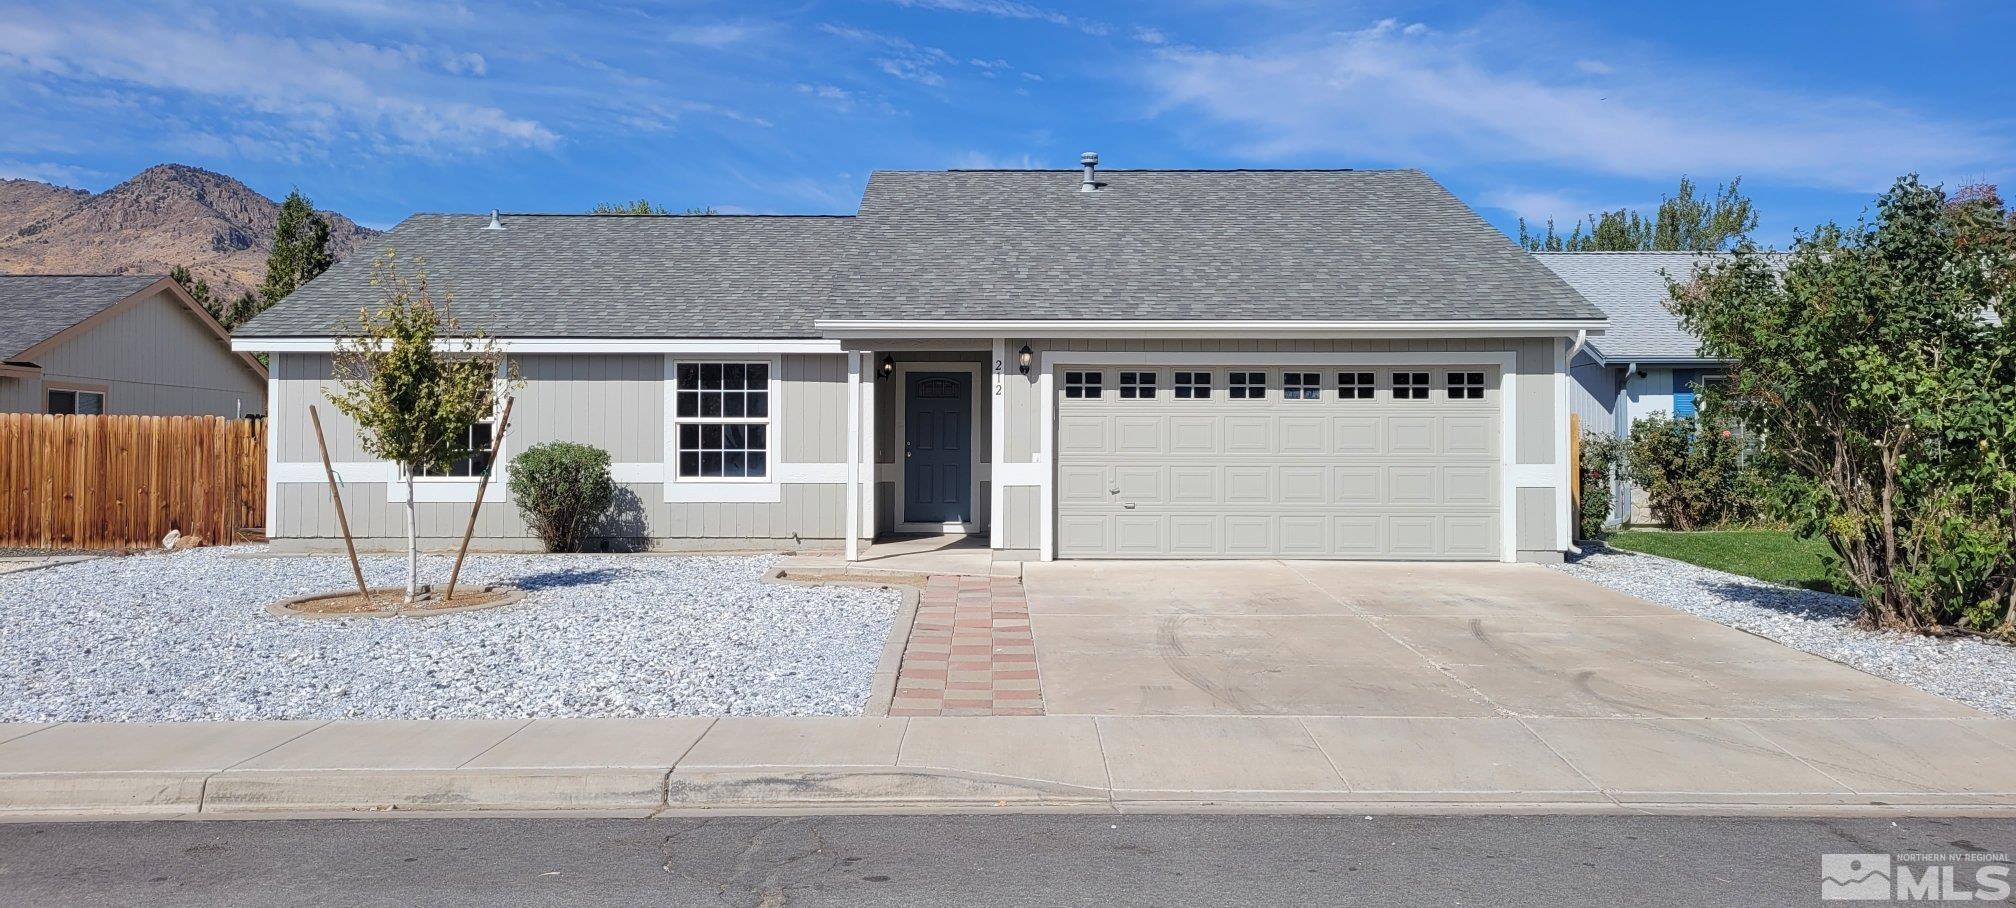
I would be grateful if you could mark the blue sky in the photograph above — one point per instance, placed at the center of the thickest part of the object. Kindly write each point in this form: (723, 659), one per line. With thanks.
(379, 108)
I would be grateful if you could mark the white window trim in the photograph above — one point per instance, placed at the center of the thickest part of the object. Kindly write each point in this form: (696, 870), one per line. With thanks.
(1317, 387)
(901, 378)
(1193, 386)
(768, 488)
(1511, 474)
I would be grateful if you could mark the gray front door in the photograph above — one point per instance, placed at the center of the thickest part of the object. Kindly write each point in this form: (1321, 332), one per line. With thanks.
(1221, 461)
(937, 448)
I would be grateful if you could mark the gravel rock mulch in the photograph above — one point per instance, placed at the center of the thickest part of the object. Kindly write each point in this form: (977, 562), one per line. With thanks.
(186, 636)
(1979, 673)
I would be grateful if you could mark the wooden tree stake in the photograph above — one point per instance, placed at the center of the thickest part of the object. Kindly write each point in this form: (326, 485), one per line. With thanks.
(336, 495)
(496, 444)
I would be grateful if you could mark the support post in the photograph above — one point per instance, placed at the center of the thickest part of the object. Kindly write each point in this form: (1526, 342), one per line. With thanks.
(336, 495)
(853, 522)
(870, 480)
(489, 466)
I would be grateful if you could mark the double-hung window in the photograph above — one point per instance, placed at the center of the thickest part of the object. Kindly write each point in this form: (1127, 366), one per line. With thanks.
(1301, 386)
(722, 420)
(480, 441)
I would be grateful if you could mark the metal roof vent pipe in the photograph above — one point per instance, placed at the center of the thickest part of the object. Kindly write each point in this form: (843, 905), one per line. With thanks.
(1090, 161)
(494, 224)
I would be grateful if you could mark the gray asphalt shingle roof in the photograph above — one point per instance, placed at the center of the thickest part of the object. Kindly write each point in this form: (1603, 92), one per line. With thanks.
(590, 276)
(1631, 288)
(1174, 244)
(1328, 245)
(35, 308)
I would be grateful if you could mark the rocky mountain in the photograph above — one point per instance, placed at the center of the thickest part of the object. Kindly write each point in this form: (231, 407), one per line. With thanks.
(167, 215)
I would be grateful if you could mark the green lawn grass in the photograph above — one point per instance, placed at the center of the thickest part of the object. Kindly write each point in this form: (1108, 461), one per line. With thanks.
(1774, 555)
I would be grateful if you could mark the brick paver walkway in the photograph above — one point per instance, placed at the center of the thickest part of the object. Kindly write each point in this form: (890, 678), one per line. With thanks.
(970, 652)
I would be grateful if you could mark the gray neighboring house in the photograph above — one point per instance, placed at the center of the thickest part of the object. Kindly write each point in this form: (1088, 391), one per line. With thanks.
(118, 344)
(1645, 364)
(1070, 364)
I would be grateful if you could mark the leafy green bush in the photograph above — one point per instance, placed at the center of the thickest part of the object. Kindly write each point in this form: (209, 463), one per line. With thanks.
(1691, 469)
(562, 489)
(1600, 454)
(1885, 397)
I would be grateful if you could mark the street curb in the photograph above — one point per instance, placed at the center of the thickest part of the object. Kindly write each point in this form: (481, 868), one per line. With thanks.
(248, 791)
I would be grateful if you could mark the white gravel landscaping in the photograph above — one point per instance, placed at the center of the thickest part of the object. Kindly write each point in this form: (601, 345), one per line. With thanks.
(1979, 673)
(186, 636)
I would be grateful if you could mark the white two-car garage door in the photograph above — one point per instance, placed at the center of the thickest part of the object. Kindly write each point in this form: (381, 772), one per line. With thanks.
(1245, 461)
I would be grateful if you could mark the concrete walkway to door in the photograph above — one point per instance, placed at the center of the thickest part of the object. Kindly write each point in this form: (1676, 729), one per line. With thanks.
(1189, 638)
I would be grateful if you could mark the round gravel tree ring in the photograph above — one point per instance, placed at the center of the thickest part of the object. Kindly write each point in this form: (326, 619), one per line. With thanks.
(495, 595)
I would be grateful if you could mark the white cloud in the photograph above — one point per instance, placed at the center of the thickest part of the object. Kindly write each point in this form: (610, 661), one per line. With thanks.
(717, 35)
(388, 94)
(1595, 67)
(47, 172)
(1381, 94)
(1013, 9)
(910, 69)
(1150, 36)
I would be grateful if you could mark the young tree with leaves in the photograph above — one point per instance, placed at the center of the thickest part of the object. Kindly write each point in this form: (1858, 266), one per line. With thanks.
(413, 380)
(1884, 392)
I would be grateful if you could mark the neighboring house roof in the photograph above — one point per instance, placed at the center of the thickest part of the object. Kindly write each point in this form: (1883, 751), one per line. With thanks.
(1185, 244)
(589, 276)
(37, 307)
(1631, 287)
(973, 245)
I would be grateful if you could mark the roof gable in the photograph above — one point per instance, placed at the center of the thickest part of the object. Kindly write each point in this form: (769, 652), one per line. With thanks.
(35, 308)
(1631, 288)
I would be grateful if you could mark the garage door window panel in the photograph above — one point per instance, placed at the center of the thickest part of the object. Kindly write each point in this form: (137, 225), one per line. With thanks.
(1466, 386)
(1301, 386)
(1192, 385)
(1246, 385)
(1137, 385)
(1083, 385)
(1355, 385)
(1410, 386)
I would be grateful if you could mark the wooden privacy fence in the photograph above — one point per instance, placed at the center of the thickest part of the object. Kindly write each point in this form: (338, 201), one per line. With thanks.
(107, 482)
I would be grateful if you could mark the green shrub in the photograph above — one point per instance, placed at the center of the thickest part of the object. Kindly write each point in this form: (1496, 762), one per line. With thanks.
(1600, 451)
(1692, 471)
(562, 489)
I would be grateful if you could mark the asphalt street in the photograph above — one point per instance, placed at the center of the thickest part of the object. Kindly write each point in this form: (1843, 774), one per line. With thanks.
(1001, 860)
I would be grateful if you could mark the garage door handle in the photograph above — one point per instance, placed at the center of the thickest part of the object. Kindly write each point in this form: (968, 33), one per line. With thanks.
(1128, 505)
(1113, 491)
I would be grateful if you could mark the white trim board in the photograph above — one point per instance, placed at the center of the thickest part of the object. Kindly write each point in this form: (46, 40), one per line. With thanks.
(696, 347)
(997, 437)
(1506, 362)
(900, 377)
(1215, 328)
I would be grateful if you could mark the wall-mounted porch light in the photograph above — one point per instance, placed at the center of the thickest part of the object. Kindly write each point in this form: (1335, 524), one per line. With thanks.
(1023, 358)
(887, 368)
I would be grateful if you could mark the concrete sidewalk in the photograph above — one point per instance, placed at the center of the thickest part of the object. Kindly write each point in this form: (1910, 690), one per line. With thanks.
(1270, 764)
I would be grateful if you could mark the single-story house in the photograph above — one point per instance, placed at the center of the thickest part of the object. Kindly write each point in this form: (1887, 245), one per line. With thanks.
(120, 344)
(1072, 364)
(1646, 363)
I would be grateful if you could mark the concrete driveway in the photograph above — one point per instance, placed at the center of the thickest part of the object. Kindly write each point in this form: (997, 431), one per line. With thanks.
(1413, 640)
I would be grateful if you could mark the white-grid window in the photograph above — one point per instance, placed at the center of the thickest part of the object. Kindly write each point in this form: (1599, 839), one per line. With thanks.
(1466, 386)
(1083, 384)
(1410, 385)
(723, 418)
(1301, 386)
(1246, 385)
(1355, 385)
(1191, 385)
(480, 441)
(1137, 385)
